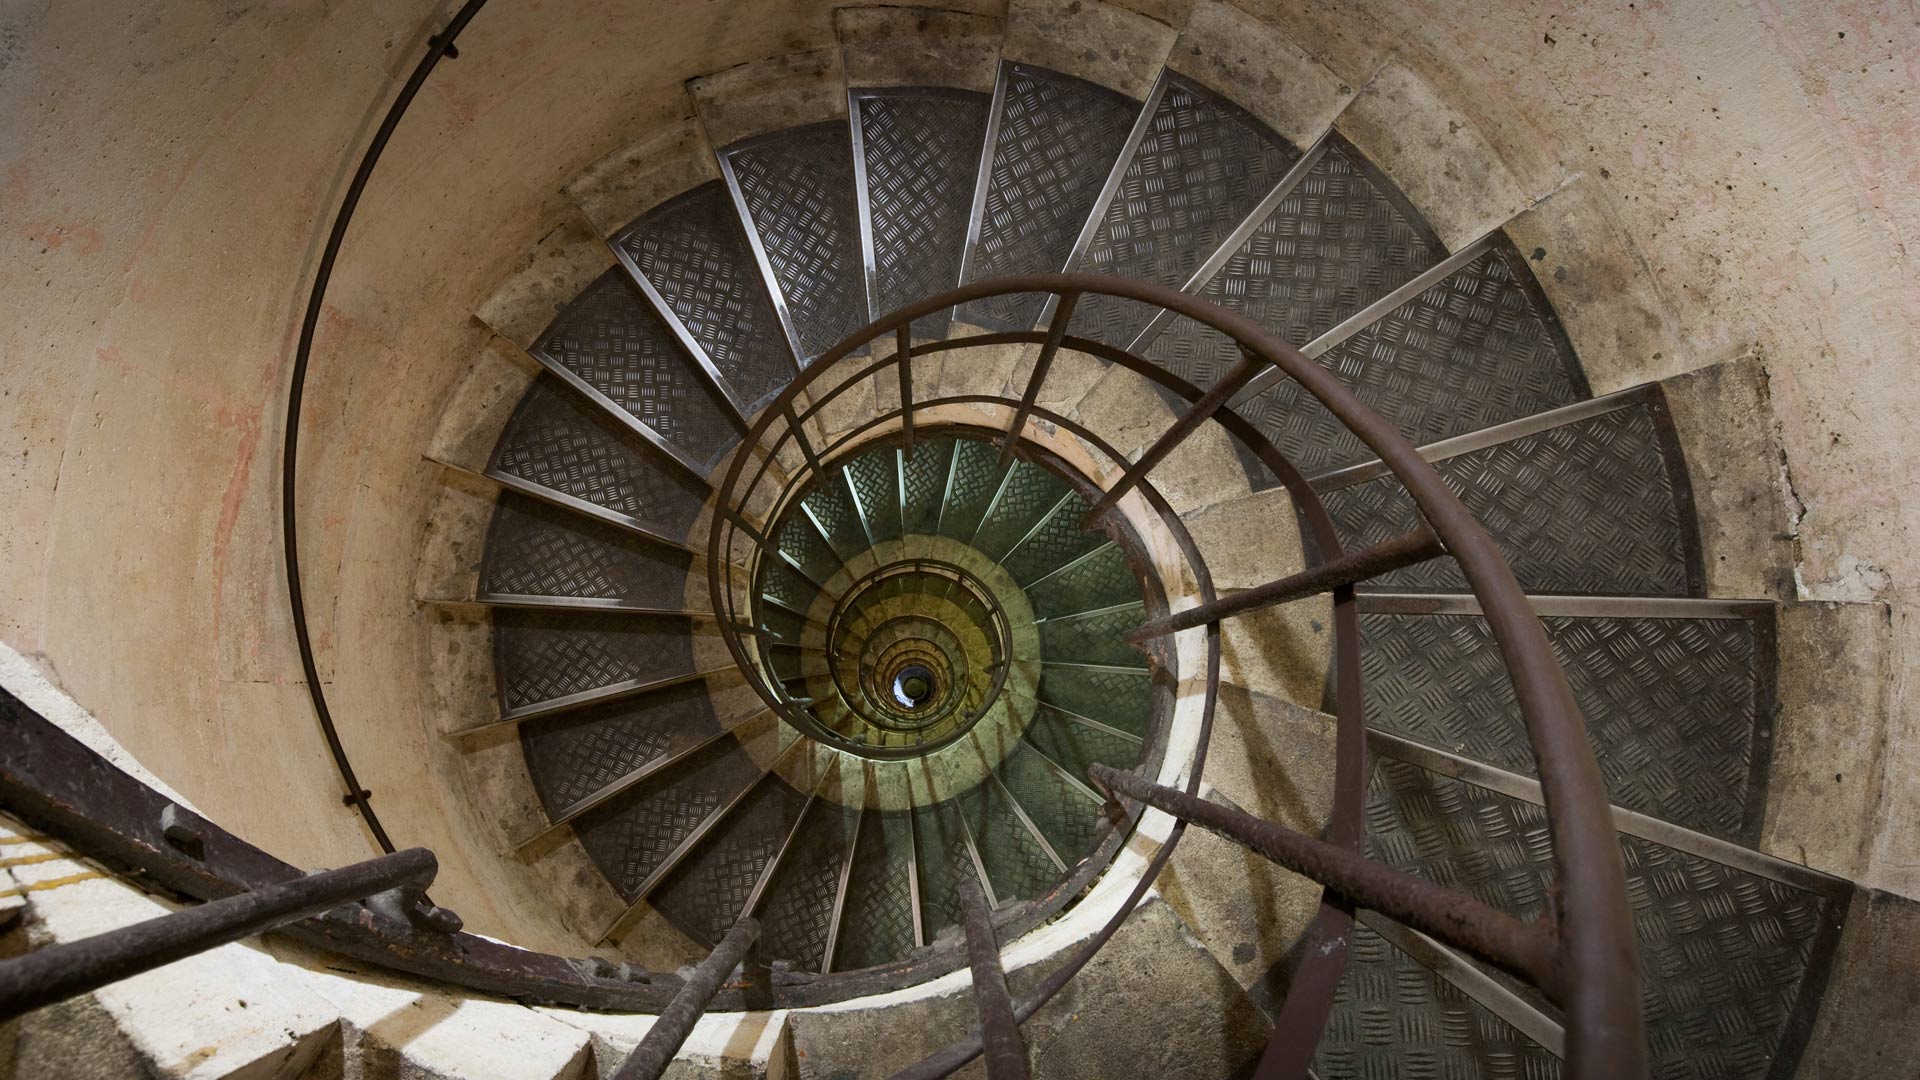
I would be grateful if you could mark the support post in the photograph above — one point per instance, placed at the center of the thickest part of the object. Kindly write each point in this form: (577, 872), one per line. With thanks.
(66, 970)
(1000, 1040)
(675, 1022)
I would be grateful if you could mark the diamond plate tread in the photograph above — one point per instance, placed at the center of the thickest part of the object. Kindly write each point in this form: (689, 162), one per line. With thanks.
(833, 506)
(924, 479)
(630, 836)
(1065, 815)
(1016, 863)
(1058, 138)
(1116, 699)
(1477, 349)
(1057, 542)
(875, 479)
(798, 187)
(944, 864)
(1200, 169)
(691, 249)
(1101, 581)
(540, 656)
(1725, 953)
(1676, 708)
(707, 891)
(782, 583)
(976, 476)
(1094, 639)
(1029, 492)
(1587, 507)
(1392, 1017)
(799, 900)
(802, 543)
(618, 345)
(574, 754)
(1073, 745)
(922, 153)
(877, 926)
(537, 549)
(561, 443)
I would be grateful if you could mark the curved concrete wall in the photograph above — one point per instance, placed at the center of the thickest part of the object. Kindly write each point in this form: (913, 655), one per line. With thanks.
(164, 176)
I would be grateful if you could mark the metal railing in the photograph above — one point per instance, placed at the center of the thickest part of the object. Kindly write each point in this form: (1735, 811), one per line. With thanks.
(1581, 954)
(1582, 957)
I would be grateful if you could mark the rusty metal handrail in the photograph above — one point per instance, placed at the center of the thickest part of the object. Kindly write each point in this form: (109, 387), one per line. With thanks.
(1593, 943)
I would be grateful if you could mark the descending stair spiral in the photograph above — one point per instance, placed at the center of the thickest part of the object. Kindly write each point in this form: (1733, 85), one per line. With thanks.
(949, 635)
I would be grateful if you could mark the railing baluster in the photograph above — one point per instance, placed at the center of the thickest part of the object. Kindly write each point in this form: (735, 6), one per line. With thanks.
(58, 972)
(1004, 1050)
(1529, 950)
(675, 1022)
(800, 437)
(1404, 550)
(1056, 330)
(1236, 377)
(903, 348)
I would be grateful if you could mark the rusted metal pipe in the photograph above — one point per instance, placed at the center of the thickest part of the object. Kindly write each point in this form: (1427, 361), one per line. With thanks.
(1529, 950)
(1404, 550)
(675, 1022)
(71, 968)
(1198, 413)
(1005, 1051)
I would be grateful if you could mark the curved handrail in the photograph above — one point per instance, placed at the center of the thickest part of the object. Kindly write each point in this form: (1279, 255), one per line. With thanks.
(439, 45)
(1595, 957)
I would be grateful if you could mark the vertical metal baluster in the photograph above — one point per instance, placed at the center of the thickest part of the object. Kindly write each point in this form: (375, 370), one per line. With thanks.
(1056, 330)
(903, 349)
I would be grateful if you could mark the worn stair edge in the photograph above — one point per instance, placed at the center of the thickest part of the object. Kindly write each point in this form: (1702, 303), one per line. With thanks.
(1094, 40)
(1729, 440)
(1114, 1019)
(481, 403)
(898, 46)
(227, 1012)
(1615, 313)
(722, 1046)
(1258, 68)
(1435, 153)
(769, 95)
(563, 263)
(669, 159)
(562, 892)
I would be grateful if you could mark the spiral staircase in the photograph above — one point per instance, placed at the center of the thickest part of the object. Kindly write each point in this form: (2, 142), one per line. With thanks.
(875, 673)
(849, 837)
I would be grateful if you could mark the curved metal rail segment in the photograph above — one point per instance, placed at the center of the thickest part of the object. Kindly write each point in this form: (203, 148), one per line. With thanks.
(1581, 955)
(1591, 967)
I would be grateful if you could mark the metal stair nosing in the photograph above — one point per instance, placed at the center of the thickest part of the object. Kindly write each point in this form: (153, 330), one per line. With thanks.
(611, 692)
(560, 823)
(541, 354)
(770, 281)
(1111, 187)
(621, 926)
(1217, 260)
(703, 365)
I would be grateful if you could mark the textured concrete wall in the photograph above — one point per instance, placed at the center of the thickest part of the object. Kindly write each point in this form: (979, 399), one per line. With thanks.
(1762, 163)
(164, 171)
